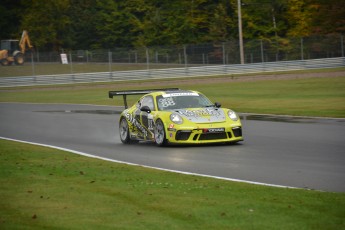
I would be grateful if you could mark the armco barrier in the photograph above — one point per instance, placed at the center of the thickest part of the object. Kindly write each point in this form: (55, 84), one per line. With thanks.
(171, 72)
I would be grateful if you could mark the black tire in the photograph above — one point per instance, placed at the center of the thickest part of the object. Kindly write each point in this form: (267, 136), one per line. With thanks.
(5, 62)
(160, 134)
(19, 59)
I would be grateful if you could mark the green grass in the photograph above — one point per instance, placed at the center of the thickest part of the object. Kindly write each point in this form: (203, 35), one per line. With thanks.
(320, 97)
(43, 188)
(324, 97)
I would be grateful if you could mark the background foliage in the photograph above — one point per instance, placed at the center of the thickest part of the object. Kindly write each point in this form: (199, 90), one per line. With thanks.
(95, 24)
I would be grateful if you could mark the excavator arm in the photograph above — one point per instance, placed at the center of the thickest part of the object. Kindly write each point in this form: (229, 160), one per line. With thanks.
(25, 41)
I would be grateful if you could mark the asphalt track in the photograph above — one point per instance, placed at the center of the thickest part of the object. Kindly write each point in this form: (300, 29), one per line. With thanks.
(303, 153)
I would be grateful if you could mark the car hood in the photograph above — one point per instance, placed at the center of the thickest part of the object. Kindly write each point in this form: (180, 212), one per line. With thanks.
(202, 115)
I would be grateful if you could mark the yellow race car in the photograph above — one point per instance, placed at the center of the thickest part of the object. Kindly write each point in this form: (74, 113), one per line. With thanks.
(174, 116)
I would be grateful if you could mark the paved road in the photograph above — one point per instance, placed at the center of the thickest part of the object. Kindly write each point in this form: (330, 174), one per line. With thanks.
(305, 153)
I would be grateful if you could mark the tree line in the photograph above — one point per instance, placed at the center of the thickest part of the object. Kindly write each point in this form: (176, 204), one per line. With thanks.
(104, 24)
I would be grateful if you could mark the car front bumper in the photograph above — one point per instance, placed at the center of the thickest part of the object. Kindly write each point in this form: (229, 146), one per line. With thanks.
(204, 133)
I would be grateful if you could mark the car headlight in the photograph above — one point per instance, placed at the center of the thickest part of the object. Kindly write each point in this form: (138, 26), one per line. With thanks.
(233, 116)
(177, 119)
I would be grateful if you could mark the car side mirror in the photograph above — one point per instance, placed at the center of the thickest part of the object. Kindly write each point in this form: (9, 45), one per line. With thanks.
(146, 109)
(217, 104)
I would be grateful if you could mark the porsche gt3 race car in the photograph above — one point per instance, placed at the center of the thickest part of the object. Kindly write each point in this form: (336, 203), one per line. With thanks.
(174, 116)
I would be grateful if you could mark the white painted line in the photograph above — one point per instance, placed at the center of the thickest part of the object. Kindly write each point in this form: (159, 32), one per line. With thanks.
(145, 166)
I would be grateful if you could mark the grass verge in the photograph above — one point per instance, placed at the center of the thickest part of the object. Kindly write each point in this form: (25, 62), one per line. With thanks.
(320, 97)
(48, 188)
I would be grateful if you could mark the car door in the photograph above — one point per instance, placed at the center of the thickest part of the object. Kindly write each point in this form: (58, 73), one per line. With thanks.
(147, 118)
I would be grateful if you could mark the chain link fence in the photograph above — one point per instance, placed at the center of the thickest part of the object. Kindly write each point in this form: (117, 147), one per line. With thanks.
(159, 57)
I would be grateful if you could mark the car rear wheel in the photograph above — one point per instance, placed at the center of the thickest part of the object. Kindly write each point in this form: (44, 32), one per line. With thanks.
(160, 136)
(124, 131)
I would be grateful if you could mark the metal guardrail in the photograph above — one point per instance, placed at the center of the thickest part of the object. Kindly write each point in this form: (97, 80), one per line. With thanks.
(172, 72)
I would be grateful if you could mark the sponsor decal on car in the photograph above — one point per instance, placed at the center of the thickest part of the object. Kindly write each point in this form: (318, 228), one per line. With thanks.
(131, 119)
(180, 94)
(200, 113)
(214, 130)
(171, 128)
(150, 122)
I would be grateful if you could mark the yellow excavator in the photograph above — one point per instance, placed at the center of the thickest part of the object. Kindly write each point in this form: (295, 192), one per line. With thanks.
(14, 50)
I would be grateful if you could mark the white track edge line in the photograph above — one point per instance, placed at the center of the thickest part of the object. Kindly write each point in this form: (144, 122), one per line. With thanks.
(145, 166)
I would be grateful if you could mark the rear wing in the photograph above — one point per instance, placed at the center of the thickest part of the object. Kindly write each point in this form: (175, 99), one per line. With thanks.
(124, 93)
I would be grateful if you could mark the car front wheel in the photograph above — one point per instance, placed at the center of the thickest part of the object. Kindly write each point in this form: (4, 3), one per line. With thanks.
(160, 136)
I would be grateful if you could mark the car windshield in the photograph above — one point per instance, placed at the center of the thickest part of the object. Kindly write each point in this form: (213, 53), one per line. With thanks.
(182, 100)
